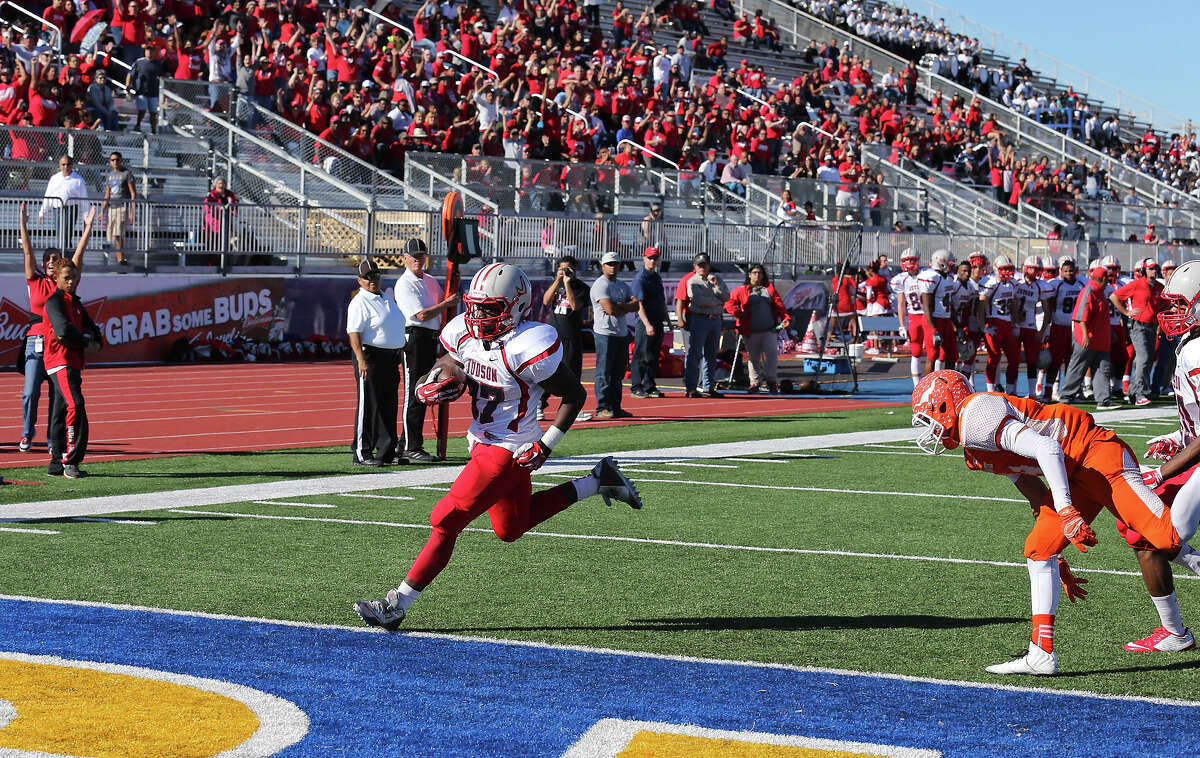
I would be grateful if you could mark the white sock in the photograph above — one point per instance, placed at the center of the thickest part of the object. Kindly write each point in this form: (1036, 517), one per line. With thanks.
(1041, 377)
(1043, 585)
(939, 365)
(586, 486)
(916, 379)
(991, 386)
(1087, 382)
(1188, 558)
(1054, 389)
(914, 367)
(405, 595)
(1168, 613)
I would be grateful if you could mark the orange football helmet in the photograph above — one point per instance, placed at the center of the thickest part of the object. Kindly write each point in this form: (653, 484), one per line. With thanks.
(935, 402)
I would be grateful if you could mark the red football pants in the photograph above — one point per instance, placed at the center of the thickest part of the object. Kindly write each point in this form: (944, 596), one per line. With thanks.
(916, 335)
(493, 482)
(1060, 350)
(1031, 345)
(948, 350)
(1002, 344)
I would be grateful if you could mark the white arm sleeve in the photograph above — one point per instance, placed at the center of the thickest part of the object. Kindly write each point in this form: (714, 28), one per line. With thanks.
(1020, 439)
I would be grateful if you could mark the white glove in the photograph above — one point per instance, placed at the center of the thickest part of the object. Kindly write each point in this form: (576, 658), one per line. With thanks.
(1164, 448)
(903, 333)
(1152, 478)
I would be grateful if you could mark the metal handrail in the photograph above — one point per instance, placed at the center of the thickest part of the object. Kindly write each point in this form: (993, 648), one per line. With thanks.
(41, 21)
(753, 97)
(577, 114)
(492, 207)
(648, 151)
(167, 95)
(393, 22)
(474, 63)
(1027, 51)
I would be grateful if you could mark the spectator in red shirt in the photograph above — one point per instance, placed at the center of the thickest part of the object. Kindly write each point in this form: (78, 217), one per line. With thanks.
(845, 291)
(1093, 335)
(131, 18)
(1140, 302)
(72, 334)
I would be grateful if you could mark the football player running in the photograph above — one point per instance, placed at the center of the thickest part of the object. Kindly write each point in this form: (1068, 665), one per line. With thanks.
(509, 363)
(1087, 468)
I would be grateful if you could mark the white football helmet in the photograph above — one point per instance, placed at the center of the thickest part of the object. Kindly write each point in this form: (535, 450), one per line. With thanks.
(1182, 296)
(910, 260)
(499, 297)
(941, 260)
(1032, 266)
(1049, 267)
(1004, 266)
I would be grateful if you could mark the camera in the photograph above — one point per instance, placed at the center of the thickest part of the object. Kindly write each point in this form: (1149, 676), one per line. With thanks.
(569, 272)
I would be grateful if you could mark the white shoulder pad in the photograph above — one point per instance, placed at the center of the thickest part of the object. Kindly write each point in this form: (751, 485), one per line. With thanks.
(454, 334)
(534, 352)
(980, 419)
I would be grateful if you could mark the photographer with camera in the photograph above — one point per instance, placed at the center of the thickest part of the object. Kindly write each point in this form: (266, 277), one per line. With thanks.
(567, 298)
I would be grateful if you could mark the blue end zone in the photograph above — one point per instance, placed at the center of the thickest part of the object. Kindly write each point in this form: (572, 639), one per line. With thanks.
(375, 694)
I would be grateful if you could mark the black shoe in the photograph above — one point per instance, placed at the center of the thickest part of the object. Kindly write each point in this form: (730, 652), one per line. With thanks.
(71, 471)
(622, 413)
(656, 393)
(420, 456)
(400, 460)
(640, 394)
(374, 462)
(55, 469)
(714, 393)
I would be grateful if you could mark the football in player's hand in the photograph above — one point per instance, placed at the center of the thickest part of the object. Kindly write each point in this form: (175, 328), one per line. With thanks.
(442, 384)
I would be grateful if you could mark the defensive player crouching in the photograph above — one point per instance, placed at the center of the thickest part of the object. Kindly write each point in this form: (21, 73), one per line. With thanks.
(1088, 468)
(509, 364)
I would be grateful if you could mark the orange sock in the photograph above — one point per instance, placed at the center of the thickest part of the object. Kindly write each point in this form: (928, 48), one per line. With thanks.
(1043, 631)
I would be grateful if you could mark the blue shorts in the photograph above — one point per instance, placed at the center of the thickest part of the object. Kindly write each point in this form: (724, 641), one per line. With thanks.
(145, 103)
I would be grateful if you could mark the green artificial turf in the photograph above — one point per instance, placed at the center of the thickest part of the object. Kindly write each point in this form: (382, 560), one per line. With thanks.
(860, 610)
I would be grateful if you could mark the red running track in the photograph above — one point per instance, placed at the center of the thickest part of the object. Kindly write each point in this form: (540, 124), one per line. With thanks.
(146, 411)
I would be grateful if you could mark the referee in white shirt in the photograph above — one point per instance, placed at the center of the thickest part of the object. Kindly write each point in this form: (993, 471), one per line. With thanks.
(67, 186)
(422, 300)
(375, 325)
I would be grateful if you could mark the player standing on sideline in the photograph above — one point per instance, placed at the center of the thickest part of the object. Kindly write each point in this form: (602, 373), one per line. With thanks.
(997, 292)
(72, 334)
(1065, 292)
(41, 286)
(936, 285)
(1092, 333)
(964, 302)
(422, 301)
(1031, 296)
(509, 363)
(910, 309)
(1087, 468)
(1120, 349)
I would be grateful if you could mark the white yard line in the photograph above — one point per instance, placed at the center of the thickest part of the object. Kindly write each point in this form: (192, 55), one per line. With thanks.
(285, 488)
(650, 471)
(756, 460)
(20, 530)
(671, 543)
(297, 505)
(610, 651)
(131, 522)
(376, 497)
(840, 450)
(695, 465)
(428, 489)
(709, 483)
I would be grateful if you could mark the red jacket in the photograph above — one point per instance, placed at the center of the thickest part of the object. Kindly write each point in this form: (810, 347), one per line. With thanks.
(738, 303)
(71, 331)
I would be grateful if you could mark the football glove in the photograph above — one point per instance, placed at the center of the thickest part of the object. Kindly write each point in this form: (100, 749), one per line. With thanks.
(1152, 478)
(1163, 448)
(1076, 529)
(903, 333)
(440, 386)
(1070, 582)
(937, 340)
(531, 455)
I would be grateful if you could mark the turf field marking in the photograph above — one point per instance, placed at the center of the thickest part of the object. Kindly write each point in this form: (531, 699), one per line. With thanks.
(667, 543)
(281, 723)
(240, 493)
(651, 470)
(21, 530)
(755, 460)
(874, 452)
(820, 489)
(695, 465)
(617, 652)
(609, 738)
(131, 522)
(887, 446)
(298, 505)
(376, 497)
(427, 488)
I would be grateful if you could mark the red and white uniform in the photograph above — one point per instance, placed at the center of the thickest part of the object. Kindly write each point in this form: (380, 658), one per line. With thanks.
(1026, 301)
(1120, 352)
(914, 310)
(1065, 295)
(503, 379)
(1002, 342)
(896, 283)
(940, 286)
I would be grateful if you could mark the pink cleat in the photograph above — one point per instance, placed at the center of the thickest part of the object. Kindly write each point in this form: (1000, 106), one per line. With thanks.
(1162, 641)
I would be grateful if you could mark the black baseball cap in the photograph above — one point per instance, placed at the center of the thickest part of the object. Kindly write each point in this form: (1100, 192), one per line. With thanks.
(415, 247)
(700, 258)
(368, 269)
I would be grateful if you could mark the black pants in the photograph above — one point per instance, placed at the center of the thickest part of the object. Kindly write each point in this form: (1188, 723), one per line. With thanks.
(420, 353)
(646, 350)
(68, 418)
(375, 413)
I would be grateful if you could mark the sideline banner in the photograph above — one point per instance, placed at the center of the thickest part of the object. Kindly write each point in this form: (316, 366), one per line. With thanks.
(142, 318)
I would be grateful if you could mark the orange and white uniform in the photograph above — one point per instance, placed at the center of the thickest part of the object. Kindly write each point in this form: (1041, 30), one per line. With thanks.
(1085, 465)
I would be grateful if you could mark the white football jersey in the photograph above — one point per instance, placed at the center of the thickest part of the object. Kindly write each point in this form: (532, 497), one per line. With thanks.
(1026, 298)
(503, 380)
(1114, 317)
(963, 297)
(931, 282)
(1066, 294)
(1186, 383)
(905, 286)
(999, 293)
